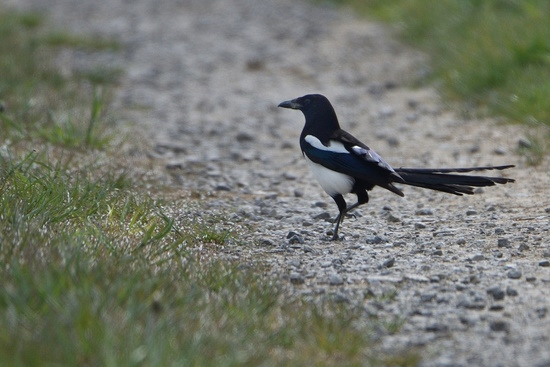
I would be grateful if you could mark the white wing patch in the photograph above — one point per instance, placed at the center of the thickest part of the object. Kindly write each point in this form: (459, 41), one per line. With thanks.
(333, 146)
(331, 181)
(371, 156)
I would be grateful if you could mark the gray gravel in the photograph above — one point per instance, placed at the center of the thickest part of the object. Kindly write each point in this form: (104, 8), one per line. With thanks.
(470, 275)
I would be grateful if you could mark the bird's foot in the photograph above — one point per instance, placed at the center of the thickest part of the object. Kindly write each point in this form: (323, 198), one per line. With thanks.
(335, 236)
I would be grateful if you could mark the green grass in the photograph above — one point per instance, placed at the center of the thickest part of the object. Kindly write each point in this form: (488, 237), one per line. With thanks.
(95, 270)
(493, 54)
(38, 103)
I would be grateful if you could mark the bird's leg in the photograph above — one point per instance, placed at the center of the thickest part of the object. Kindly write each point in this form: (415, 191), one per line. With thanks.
(362, 198)
(342, 206)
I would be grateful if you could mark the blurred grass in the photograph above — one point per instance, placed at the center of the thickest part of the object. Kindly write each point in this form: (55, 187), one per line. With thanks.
(97, 271)
(492, 54)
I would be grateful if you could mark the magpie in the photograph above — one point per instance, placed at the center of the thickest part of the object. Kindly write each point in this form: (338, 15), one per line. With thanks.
(342, 164)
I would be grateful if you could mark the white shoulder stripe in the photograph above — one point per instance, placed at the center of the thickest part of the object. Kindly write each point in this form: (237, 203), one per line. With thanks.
(334, 146)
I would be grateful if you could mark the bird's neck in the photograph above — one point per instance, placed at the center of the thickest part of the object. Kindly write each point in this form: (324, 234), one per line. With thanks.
(321, 125)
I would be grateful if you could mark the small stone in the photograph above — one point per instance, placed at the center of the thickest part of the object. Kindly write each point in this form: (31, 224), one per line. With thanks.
(296, 278)
(267, 243)
(497, 293)
(424, 211)
(471, 212)
(478, 257)
(298, 193)
(514, 274)
(524, 143)
(437, 253)
(499, 231)
(386, 111)
(530, 279)
(294, 262)
(541, 312)
(291, 234)
(523, 247)
(341, 298)
(544, 263)
(244, 136)
(413, 103)
(393, 218)
(437, 328)
(496, 307)
(419, 225)
(376, 240)
(393, 141)
(222, 187)
(320, 204)
(461, 241)
(323, 216)
(289, 176)
(511, 292)
(500, 151)
(503, 242)
(296, 239)
(499, 325)
(335, 279)
(427, 297)
(388, 263)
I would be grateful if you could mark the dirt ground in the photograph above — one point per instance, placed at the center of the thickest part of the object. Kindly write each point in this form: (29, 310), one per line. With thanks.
(469, 277)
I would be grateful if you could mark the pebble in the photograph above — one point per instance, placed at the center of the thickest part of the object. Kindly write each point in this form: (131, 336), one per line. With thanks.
(388, 263)
(296, 239)
(374, 240)
(496, 307)
(424, 211)
(419, 225)
(541, 312)
(523, 247)
(544, 263)
(427, 297)
(514, 274)
(503, 242)
(497, 293)
(499, 325)
(335, 279)
(222, 187)
(296, 278)
(477, 257)
(471, 212)
(437, 328)
(524, 143)
(323, 216)
(393, 218)
(511, 292)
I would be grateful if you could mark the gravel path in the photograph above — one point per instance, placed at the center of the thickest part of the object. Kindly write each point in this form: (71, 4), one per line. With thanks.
(469, 276)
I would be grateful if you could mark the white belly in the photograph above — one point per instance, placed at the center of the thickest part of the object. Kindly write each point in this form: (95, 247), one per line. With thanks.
(332, 182)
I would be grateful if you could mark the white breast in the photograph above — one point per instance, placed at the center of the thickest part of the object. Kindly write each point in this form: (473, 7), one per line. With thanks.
(332, 182)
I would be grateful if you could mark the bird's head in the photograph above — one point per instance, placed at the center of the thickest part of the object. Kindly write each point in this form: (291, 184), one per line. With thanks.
(306, 103)
(319, 113)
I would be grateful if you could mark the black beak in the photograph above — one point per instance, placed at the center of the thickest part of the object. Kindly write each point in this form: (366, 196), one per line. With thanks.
(292, 104)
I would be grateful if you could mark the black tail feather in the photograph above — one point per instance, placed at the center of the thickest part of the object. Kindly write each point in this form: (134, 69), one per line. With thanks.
(444, 179)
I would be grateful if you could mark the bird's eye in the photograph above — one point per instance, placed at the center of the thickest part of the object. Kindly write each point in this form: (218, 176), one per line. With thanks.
(307, 101)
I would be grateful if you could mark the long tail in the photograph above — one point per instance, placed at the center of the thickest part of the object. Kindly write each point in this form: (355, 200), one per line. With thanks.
(446, 179)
